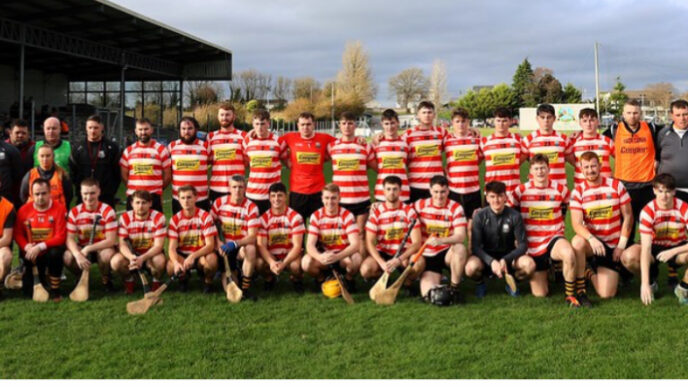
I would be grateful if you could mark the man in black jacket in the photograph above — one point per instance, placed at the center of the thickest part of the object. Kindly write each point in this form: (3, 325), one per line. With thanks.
(96, 157)
(498, 241)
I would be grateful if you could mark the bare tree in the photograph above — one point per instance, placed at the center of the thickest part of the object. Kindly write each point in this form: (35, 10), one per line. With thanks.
(438, 83)
(202, 92)
(355, 80)
(306, 88)
(282, 89)
(660, 94)
(408, 86)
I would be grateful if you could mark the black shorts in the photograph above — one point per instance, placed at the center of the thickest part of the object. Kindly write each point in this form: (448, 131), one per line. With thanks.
(656, 249)
(417, 194)
(470, 201)
(487, 272)
(436, 263)
(305, 204)
(232, 258)
(357, 209)
(202, 204)
(606, 261)
(157, 202)
(263, 205)
(544, 261)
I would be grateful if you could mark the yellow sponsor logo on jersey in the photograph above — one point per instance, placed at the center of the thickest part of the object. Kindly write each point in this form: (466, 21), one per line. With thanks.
(187, 165)
(348, 165)
(552, 156)
(541, 213)
(278, 239)
(191, 240)
(427, 150)
(392, 162)
(311, 158)
(86, 234)
(261, 161)
(600, 212)
(394, 234)
(331, 239)
(142, 243)
(499, 159)
(231, 229)
(669, 233)
(40, 234)
(225, 154)
(143, 169)
(438, 229)
(465, 155)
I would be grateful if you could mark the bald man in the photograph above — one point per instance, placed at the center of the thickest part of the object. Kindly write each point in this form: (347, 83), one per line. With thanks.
(51, 135)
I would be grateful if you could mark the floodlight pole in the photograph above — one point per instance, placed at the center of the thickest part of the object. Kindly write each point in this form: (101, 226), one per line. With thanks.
(597, 82)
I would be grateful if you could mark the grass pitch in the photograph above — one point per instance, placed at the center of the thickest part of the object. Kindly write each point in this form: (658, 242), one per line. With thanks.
(284, 335)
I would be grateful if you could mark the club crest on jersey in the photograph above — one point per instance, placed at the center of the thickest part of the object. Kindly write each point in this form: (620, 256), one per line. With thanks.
(506, 227)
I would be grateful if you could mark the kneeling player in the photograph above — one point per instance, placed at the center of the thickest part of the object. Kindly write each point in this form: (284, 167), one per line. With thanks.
(540, 201)
(141, 238)
(663, 223)
(7, 218)
(498, 241)
(333, 240)
(81, 222)
(444, 230)
(237, 218)
(386, 227)
(192, 239)
(280, 237)
(597, 206)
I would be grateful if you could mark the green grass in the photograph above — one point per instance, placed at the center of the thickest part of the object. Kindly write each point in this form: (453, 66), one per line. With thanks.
(288, 336)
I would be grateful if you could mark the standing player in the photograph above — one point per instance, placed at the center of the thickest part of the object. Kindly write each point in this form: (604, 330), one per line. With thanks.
(305, 153)
(499, 242)
(226, 151)
(263, 161)
(237, 220)
(425, 151)
(463, 157)
(386, 227)
(7, 218)
(350, 161)
(333, 240)
(189, 157)
(444, 230)
(146, 165)
(589, 140)
(192, 240)
(548, 142)
(540, 201)
(502, 152)
(141, 238)
(60, 183)
(280, 240)
(40, 233)
(598, 205)
(80, 223)
(663, 224)
(51, 137)
(392, 156)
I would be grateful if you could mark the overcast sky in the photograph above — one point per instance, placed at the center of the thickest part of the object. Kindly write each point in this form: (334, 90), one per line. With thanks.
(481, 42)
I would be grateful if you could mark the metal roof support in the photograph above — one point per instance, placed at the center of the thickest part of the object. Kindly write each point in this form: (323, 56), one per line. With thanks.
(122, 100)
(22, 54)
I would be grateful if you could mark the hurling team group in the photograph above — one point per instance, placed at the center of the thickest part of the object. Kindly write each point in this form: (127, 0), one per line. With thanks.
(228, 201)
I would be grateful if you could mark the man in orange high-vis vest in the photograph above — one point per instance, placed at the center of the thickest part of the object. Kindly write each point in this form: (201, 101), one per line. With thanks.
(635, 157)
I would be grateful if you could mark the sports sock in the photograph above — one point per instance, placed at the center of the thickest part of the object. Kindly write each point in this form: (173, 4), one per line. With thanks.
(54, 282)
(570, 288)
(672, 273)
(588, 274)
(105, 279)
(246, 282)
(654, 272)
(454, 286)
(580, 285)
(683, 285)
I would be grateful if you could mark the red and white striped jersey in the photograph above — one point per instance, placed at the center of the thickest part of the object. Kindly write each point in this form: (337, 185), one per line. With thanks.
(502, 159)
(442, 221)
(667, 227)
(350, 169)
(236, 219)
(191, 231)
(226, 152)
(189, 167)
(541, 212)
(601, 208)
(463, 157)
(332, 231)
(390, 225)
(555, 146)
(145, 165)
(603, 147)
(392, 158)
(425, 155)
(142, 232)
(279, 229)
(80, 223)
(265, 169)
